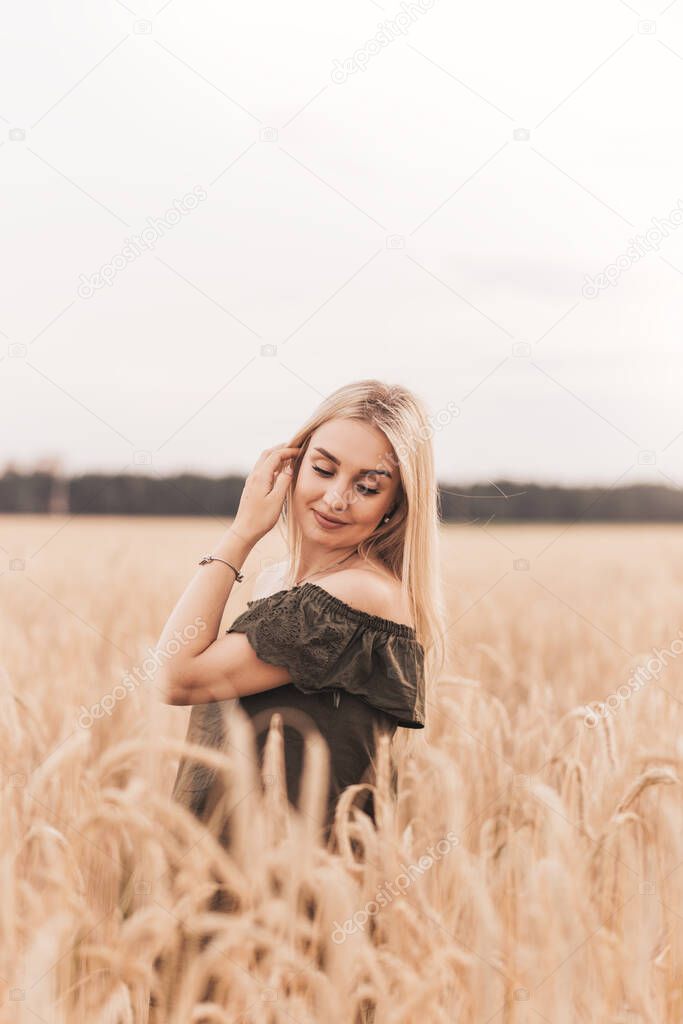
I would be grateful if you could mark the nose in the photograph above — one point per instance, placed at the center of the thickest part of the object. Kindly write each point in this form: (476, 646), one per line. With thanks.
(335, 502)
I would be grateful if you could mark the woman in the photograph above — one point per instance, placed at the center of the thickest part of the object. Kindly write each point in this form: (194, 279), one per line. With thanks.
(348, 637)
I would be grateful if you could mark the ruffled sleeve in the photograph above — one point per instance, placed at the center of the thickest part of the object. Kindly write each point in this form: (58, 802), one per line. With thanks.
(327, 644)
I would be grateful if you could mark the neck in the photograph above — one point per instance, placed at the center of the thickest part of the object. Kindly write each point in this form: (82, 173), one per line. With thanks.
(315, 556)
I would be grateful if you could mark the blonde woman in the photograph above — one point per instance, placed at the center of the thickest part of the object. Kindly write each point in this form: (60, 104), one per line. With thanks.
(346, 633)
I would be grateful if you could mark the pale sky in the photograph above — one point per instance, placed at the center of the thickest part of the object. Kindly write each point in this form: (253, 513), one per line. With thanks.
(434, 211)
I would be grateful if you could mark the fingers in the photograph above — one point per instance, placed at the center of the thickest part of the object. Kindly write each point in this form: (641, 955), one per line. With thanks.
(283, 480)
(280, 452)
(271, 459)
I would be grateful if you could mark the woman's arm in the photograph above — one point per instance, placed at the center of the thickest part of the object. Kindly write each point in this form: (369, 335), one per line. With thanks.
(229, 668)
(201, 665)
(193, 625)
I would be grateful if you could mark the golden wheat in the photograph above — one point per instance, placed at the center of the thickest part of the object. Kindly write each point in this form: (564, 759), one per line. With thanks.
(558, 896)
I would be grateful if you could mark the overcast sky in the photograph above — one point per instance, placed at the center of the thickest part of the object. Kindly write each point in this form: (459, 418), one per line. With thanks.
(427, 193)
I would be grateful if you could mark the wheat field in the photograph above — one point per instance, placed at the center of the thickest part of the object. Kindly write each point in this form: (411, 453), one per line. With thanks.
(547, 787)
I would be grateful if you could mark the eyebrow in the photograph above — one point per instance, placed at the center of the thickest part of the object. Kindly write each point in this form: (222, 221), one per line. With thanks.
(363, 472)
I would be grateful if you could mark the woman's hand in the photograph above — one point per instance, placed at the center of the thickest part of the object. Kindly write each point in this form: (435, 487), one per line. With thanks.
(264, 492)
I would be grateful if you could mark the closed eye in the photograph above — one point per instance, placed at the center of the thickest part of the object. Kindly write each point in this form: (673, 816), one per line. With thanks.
(362, 487)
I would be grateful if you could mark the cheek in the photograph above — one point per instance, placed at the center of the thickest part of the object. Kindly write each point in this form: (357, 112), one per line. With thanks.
(366, 513)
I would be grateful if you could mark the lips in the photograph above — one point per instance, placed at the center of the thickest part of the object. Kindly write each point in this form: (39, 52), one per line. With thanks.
(327, 519)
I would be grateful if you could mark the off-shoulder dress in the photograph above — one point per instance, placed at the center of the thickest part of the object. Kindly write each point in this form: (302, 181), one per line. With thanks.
(354, 676)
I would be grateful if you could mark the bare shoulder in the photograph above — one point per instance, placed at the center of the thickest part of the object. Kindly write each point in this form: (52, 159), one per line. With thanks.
(372, 591)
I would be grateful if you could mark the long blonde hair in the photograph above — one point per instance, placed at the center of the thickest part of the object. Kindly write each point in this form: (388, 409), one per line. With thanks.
(409, 543)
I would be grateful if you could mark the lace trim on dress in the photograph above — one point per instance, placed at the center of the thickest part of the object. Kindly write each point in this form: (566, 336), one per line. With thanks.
(328, 600)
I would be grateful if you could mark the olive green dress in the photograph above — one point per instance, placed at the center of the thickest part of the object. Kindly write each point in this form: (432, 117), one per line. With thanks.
(353, 674)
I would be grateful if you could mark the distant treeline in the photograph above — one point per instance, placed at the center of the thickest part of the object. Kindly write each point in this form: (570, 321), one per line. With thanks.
(193, 495)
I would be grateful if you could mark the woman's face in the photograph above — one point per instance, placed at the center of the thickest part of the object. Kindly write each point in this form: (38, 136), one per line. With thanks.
(354, 479)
